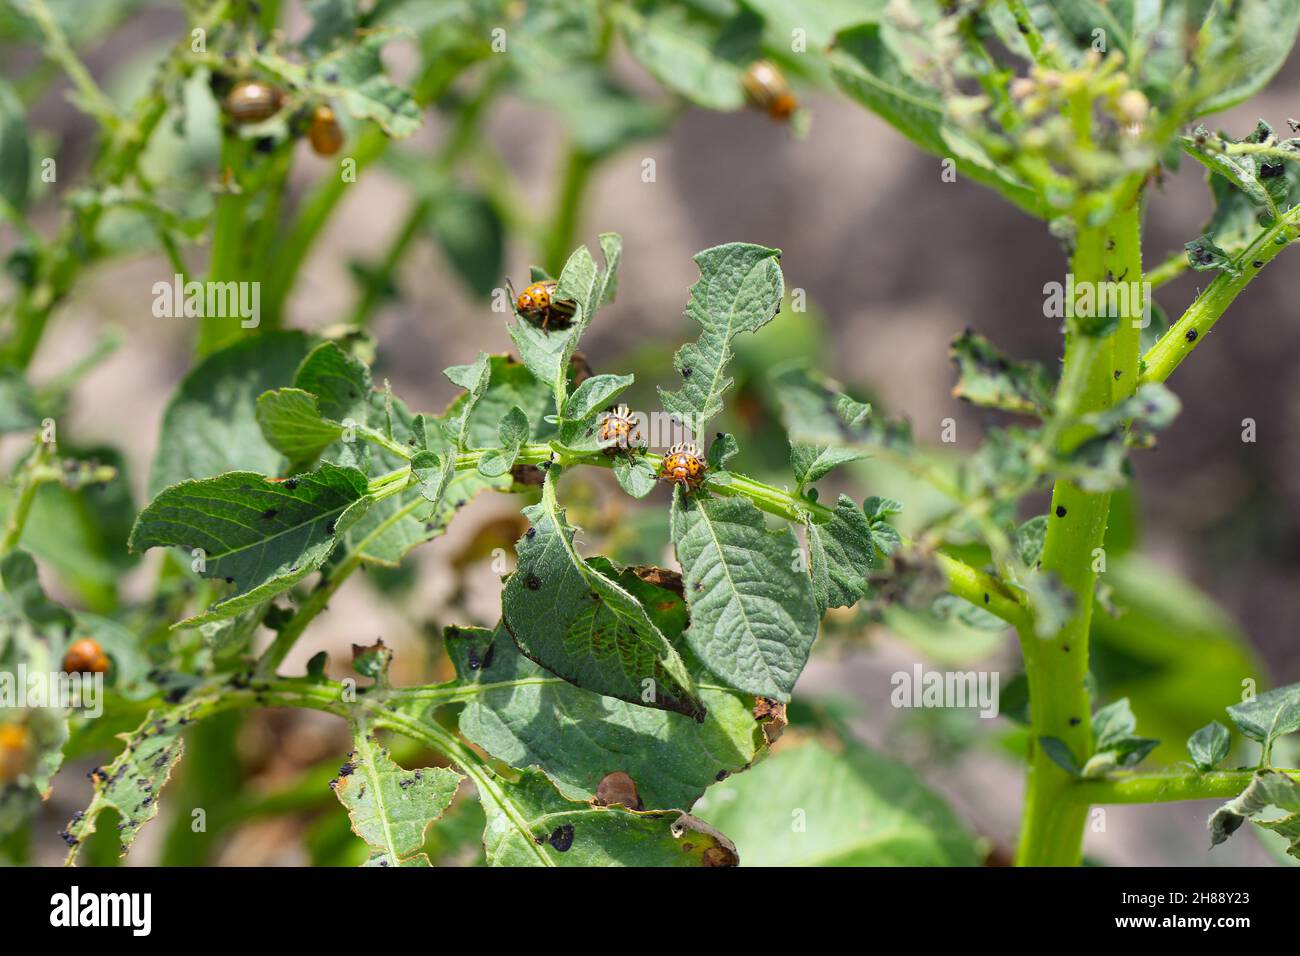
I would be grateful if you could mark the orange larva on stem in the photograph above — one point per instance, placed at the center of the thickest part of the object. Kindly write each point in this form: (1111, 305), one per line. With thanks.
(325, 133)
(251, 101)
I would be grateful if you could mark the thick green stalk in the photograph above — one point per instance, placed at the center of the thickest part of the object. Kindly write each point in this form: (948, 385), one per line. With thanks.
(226, 263)
(1057, 667)
(1165, 786)
(1189, 331)
(578, 165)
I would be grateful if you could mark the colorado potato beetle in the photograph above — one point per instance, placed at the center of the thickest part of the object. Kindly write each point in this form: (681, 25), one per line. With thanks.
(619, 429)
(538, 305)
(13, 751)
(85, 656)
(325, 134)
(683, 465)
(251, 101)
(767, 89)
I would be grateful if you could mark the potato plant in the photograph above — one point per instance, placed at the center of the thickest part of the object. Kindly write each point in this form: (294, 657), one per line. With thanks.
(610, 695)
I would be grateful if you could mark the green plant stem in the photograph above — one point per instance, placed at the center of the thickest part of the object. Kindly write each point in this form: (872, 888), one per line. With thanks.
(320, 204)
(1165, 786)
(368, 709)
(1189, 331)
(56, 46)
(578, 164)
(228, 239)
(1057, 668)
(35, 473)
(381, 278)
(383, 487)
(1173, 266)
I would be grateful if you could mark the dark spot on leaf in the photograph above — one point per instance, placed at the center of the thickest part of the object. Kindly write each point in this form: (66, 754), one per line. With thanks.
(291, 484)
(269, 513)
(1060, 511)
(230, 580)
(329, 528)
(530, 533)
(1258, 263)
(686, 372)
(1191, 335)
(562, 837)
(1074, 721)
(1118, 373)
(533, 582)
(347, 769)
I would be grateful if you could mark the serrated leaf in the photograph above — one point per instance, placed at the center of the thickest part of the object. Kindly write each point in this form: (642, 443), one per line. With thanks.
(815, 411)
(512, 433)
(1248, 45)
(753, 613)
(390, 528)
(843, 555)
(1269, 715)
(22, 583)
(1268, 788)
(132, 783)
(594, 395)
(521, 714)
(529, 823)
(869, 71)
(860, 808)
(988, 378)
(474, 378)
(260, 536)
(354, 76)
(722, 449)
(1204, 255)
(340, 382)
(210, 425)
(1209, 746)
(1030, 538)
(293, 425)
(578, 623)
(812, 463)
(684, 62)
(391, 808)
(739, 290)
(635, 475)
(1113, 723)
(1060, 754)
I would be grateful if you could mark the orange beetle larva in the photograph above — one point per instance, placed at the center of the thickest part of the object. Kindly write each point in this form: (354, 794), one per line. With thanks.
(325, 133)
(683, 465)
(85, 656)
(13, 751)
